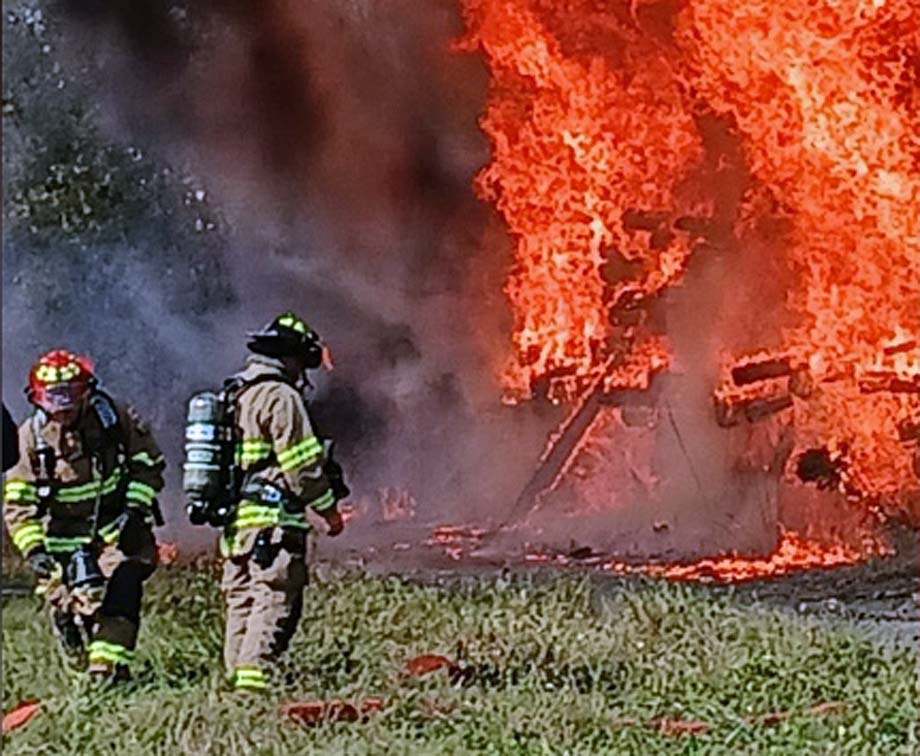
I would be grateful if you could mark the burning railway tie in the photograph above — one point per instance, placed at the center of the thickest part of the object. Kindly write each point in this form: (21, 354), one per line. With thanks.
(769, 398)
(849, 195)
(565, 442)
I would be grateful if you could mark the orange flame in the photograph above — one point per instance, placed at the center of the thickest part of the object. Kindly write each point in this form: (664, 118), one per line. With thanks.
(590, 118)
(583, 129)
(794, 554)
(825, 97)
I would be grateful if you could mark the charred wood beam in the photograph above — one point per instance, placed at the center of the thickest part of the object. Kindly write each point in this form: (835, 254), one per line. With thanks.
(752, 372)
(761, 408)
(663, 222)
(698, 226)
(567, 438)
(889, 381)
(729, 412)
(634, 219)
(900, 348)
(564, 442)
(560, 448)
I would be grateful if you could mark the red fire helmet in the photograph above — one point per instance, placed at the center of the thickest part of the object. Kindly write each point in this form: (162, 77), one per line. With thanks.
(60, 380)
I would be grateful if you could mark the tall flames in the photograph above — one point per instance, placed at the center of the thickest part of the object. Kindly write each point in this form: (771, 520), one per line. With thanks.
(825, 97)
(593, 118)
(584, 128)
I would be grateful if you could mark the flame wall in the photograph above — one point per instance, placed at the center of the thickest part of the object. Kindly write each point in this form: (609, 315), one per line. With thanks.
(594, 120)
(825, 98)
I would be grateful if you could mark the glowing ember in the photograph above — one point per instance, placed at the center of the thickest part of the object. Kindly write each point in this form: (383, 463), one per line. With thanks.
(455, 540)
(167, 554)
(794, 554)
(396, 504)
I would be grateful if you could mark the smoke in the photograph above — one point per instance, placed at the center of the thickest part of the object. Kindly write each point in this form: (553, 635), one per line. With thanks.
(338, 142)
(121, 314)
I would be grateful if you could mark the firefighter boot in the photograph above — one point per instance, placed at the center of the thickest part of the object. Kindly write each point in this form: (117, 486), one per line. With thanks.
(70, 639)
(112, 649)
(102, 673)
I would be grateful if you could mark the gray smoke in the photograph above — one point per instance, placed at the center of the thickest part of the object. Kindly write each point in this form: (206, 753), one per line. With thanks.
(324, 154)
(333, 177)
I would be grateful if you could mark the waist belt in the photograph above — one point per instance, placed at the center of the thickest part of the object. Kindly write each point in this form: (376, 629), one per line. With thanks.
(271, 495)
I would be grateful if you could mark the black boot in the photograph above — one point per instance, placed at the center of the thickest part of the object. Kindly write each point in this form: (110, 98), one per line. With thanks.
(70, 639)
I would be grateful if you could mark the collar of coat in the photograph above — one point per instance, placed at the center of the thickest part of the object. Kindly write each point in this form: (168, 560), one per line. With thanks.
(70, 441)
(258, 366)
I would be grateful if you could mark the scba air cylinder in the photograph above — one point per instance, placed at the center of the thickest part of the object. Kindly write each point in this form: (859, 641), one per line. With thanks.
(202, 476)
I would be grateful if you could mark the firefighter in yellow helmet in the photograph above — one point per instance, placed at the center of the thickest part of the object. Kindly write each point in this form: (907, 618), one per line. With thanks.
(80, 505)
(286, 469)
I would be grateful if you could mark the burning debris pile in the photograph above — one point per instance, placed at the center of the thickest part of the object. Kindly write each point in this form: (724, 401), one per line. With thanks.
(714, 209)
(774, 144)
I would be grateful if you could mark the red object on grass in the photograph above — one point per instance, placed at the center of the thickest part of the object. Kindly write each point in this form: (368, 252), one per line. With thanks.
(681, 726)
(428, 663)
(334, 710)
(167, 553)
(20, 716)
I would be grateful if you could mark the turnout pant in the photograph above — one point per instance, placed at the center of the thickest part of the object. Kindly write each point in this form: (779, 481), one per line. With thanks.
(109, 617)
(264, 605)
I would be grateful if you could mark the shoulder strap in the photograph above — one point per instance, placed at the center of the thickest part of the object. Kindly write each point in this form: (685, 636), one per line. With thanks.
(107, 415)
(38, 421)
(235, 387)
(45, 460)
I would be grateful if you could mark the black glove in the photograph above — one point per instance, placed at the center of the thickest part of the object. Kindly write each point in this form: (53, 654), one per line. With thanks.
(42, 564)
(336, 477)
(264, 552)
(135, 524)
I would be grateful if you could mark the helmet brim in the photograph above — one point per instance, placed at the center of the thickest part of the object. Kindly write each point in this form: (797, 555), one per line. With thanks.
(278, 347)
(274, 346)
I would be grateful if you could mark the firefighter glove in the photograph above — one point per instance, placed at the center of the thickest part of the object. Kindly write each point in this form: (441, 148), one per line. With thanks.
(135, 522)
(42, 564)
(334, 473)
(334, 522)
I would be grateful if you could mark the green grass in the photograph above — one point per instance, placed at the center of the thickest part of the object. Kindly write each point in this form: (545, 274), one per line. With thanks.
(551, 667)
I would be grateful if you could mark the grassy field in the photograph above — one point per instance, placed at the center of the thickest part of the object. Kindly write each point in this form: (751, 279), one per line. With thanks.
(550, 668)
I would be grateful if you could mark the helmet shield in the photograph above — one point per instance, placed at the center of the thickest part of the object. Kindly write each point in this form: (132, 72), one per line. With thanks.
(61, 397)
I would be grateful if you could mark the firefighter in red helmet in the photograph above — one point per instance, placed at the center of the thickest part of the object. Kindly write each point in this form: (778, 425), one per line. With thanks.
(80, 505)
